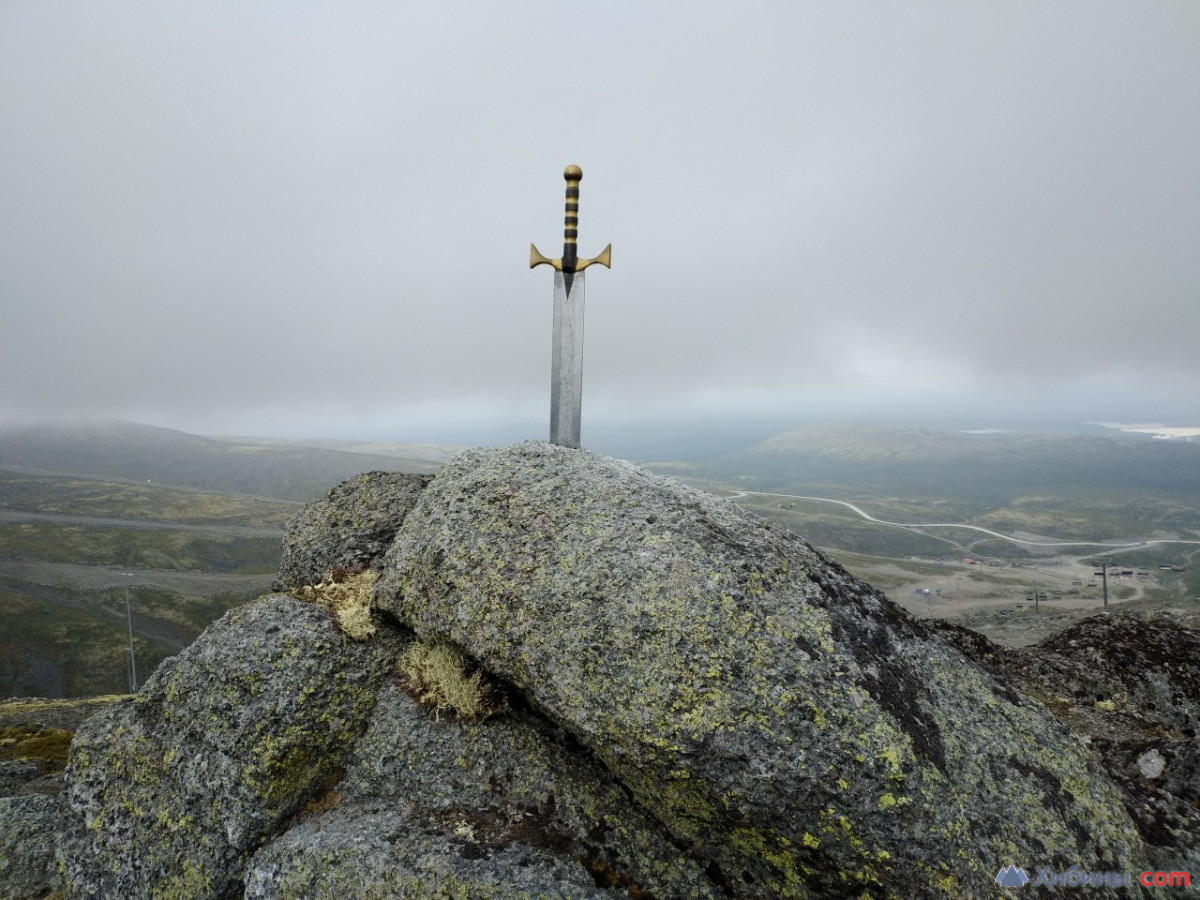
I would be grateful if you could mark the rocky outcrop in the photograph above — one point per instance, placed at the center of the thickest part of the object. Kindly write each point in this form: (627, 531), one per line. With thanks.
(432, 805)
(27, 845)
(1160, 778)
(1109, 676)
(351, 528)
(34, 736)
(379, 853)
(1145, 664)
(1129, 687)
(173, 792)
(798, 733)
(682, 702)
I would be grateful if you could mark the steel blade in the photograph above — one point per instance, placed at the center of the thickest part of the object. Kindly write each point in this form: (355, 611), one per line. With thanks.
(566, 361)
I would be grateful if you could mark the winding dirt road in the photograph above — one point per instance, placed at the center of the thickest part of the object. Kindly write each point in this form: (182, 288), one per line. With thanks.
(1005, 537)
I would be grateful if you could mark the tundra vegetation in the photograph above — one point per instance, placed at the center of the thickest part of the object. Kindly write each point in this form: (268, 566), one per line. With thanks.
(212, 540)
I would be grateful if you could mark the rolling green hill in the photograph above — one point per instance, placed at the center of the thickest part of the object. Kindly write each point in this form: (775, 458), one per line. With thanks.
(182, 526)
(115, 451)
(977, 468)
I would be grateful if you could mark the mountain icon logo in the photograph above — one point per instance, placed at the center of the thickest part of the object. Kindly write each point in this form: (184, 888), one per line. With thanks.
(1011, 876)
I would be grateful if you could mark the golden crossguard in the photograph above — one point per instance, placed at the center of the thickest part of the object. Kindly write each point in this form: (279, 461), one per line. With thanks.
(570, 263)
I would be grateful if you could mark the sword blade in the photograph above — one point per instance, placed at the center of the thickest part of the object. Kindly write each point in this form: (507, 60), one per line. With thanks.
(566, 361)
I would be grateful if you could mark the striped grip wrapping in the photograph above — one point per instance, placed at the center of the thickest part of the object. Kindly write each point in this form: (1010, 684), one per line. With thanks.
(571, 222)
(573, 175)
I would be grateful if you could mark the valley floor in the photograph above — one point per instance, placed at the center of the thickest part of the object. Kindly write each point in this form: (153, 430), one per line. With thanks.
(1015, 603)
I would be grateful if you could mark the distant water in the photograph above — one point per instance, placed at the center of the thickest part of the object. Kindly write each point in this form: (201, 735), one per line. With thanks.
(1161, 432)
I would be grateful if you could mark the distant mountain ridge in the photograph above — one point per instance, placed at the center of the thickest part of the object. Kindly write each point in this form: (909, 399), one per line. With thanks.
(908, 460)
(919, 460)
(114, 449)
(864, 442)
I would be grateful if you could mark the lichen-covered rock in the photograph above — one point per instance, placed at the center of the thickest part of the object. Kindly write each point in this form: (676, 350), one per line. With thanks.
(1130, 687)
(172, 793)
(471, 798)
(798, 733)
(1161, 782)
(1110, 676)
(17, 774)
(379, 853)
(351, 528)
(515, 780)
(34, 735)
(31, 812)
(28, 829)
(1153, 664)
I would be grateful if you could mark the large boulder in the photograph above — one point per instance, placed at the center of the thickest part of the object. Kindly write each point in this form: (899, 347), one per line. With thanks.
(431, 804)
(170, 794)
(794, 731)
(351, 528)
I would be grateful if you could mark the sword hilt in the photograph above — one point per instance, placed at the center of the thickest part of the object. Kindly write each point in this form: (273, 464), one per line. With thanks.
(570, 261)
(573, 175)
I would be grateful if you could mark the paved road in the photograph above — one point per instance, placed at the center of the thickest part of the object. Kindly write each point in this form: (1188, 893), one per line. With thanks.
(987, 531)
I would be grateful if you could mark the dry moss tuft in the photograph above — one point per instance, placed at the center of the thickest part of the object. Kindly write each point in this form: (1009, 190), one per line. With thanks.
(348, 597)
(438, 676)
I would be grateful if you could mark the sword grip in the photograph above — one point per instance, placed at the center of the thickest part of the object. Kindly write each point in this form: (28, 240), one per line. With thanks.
(573, 175)
(570, 262)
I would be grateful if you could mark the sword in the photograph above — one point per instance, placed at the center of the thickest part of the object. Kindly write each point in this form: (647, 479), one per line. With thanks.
(566, 363)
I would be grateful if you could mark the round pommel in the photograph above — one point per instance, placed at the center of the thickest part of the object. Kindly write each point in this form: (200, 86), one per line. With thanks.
(573, 173)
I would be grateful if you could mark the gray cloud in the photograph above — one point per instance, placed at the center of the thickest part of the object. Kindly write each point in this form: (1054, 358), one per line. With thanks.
(315, 216)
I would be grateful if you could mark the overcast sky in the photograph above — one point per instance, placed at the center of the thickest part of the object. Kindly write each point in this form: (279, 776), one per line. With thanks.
(314, 218)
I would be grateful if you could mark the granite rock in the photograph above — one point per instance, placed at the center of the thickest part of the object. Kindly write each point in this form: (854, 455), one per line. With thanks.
(795, 731)
(28, 837)
(380, 853)
(351, 528)
(172, 793)
(1129, 687)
